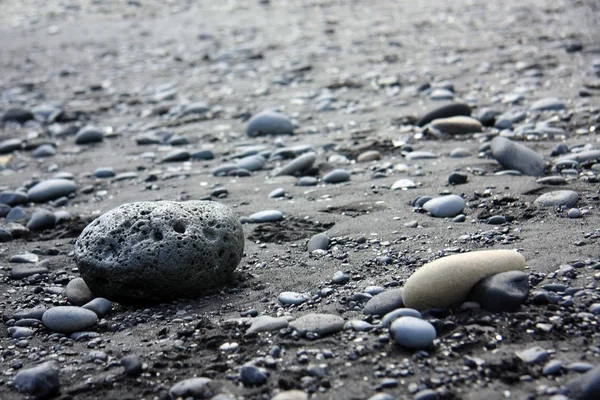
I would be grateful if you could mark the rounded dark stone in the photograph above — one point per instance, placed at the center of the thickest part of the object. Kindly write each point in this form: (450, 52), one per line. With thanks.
(501, 292)
(446, 111)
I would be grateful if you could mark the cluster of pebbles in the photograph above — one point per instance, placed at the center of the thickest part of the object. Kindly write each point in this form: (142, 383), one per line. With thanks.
(244, 265)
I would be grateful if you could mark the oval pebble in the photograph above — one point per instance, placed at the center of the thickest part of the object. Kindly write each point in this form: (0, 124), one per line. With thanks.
(557, 198)
(291, 298)
(403, 184)
(99, 305)
(78, 293)
(336, 176)
(367, 156)
(321, 324)
(384, 302)
(515, 156)
(41, 220)
(297, 165)
(400, 312)
(445, 111)
(89, 134)
(266, 216)
(51, 189)
(412, 333)
(457, 125)
(449, 280)
(269, 123)
(67, 319)
(190, 388)
(574, 213)
(320, 241)
(445, 206)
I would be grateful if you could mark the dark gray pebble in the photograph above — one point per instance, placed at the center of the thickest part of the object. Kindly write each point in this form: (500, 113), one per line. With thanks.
(269, 123)
(41, 220)
(78, 293)
(502, 292)
(132, 365)
(39, 381)
(251, 375)
(496, 220)
(13, 198)
(515, 156)
(176, 156)
(99, 305)
(446, 111)
(320, 241)
(89, 134)
(44, 150)
(51, 189)
(384, 302)
(457, 178)
(67, 319)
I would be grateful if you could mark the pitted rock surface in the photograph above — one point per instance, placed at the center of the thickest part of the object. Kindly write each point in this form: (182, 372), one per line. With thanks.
(160, 250)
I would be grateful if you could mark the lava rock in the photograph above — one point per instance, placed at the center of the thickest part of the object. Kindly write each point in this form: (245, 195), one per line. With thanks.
(160, 250)
(413, 333)
(449, 280)
(51, 189)
(502, 292)
(40, 381)
(269, 123)
(515, 156)
(68, 319)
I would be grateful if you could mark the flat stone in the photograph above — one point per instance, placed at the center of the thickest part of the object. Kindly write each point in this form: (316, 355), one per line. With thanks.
(337, 176)
(291, 298)
(307, 181)
(558, 198)
(192, 247)
(420, 155)
(548, 104)
(551, 180)
(320, 241)
(41, 220)
(457, 125)
(384, 302)
(266, 323)
(367, 156)
(51, 189)
(21, 271)
(16, 214)
(13, 198)
(290, 395)
(297, 165)
(412, 333)
(24, 258)
(78, 293)
(445, 111)
(552, 367)
(515, 156)
(196, 388)
(105, 172)
(277, 193)
(532, 355)
(206, 154)
(17, 115)
(403, 184)
(7, 146)
(266, 216)
(449, 280)
(321, 324)
(460, 153)
(39, 381)
(358, 325)
(269, 123)
(445, 206)
(583, 156)
(505, 291)
(67, 319)
(252, 163)
(89, 134)
(400, 312)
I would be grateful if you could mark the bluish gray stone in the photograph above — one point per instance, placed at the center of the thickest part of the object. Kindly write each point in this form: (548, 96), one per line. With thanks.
(420, 155)
(551, 180)
(558, 198)
(252, 163)
(99, 305)
(29, 313)
(224, 169)
(384, 302)
(291, 298)
(195, 108)
(445, 206)
(202, 154)
(39, 381)
(460, 153)
(308, 181)
(321, 324)
(381, 396)
(297, 165)
(585, 387)
(413, 333)
(265, 323)
(552, 367)
(41, 220)
(583, 156)
(515, 156)
(13, 198)
(400, 312)
(340, 278)
(358, 325)
(269, 123)
(505, 291)
(277, 193)
(44, 150)
(457, 125)
(320, 241)
(89, 134)
(574, 213)
(426, 394)
(20, 332)
(132, 365)
(67, 319)
(533, 355)
(548, 104)
(193, 248)
(105, 172)
(78, 293)
(197, 388)
(51, 189)
(496, 220)
(21, 271)
(580, 366)
(9, 145)
(336, 176)
(266, 216)
(176, 156)
(17, 115)
(251, 375)
(16, 214)
(24, 258)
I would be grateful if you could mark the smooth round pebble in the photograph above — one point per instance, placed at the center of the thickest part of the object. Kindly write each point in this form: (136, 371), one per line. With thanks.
(67, 319)
(78, 293)
(557, 198)
(367, 156)
(320, 241)
(457, 178)
(51, 189)
(515, 156)
(297, 165)
(336, 176)
(191, 388)
(99, 305)
(132, 365)
(400, 312)
(445, 111)
(340, 278)
(321, 324)
(277, 193)
(41, 220)
(445, 206)
(412, 333)
(403, 184)
(426, 394)
(89, 134)
(457, 125)
(291, 298)
(266, 216)
(269, 123)
(384, 302)
(505, 291)
(574, 213)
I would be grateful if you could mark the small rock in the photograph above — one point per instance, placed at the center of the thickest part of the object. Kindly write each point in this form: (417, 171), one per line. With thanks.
(196, 388)
(51, 189)
(548, 104)
(340, 278)
(266, 323)
(269, 123)
(266, 216)
(367, 156)
(251, 375)
(176, 156)
(558, 198)
(41, 220)
(13, 198)
(403, 184)
(505, 291)
(446, 111)
(514, 156)
(291, 395)
(427, 394)
(445, 206)
(457, 178)
(533, 355)
(40, 381)
(585, 387)
(17, 115)
(44, 150)
(457, 125)
(384, 302)
(21, 271)
(89, 134)
(400, 312)
(291, 298)
(336, 176)
(67, 319)
(297, 165)
(413, 333)
(574, 213)
(552, 367)
(321, 324)
(320, 241)
(277, 193)
(460, 153)
(132, 365)
(99, 305)
(78, 292)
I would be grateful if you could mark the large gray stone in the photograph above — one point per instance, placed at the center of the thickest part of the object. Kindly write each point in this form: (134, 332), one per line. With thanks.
(39, 381)
(269, 123)
(68, 319)
(449, 280)
(516, 156)
(160, 250)
(557, 198)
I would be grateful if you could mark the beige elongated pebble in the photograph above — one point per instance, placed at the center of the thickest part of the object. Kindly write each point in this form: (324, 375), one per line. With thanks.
(449, 280)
